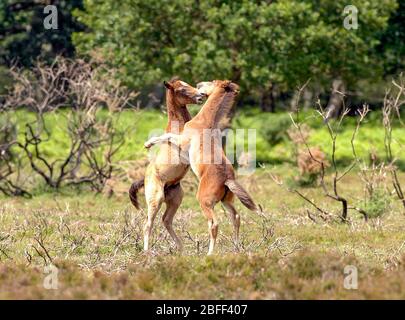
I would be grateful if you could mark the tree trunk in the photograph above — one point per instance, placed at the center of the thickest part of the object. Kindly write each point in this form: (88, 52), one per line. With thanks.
(335, 104)
(267, 101)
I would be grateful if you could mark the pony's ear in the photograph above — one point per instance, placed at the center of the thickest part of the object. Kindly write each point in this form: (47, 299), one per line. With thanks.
(229, 86)
(235, 87)
(168, 85)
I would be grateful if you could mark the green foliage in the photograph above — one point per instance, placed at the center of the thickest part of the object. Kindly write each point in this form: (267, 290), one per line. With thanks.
(268, 146)
(392, 47)
(23, 36)
(378, 204)
(253, 42)
(274, 129)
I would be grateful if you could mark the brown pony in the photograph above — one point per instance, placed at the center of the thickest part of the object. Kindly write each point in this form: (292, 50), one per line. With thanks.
(163, 175)
(201, 139)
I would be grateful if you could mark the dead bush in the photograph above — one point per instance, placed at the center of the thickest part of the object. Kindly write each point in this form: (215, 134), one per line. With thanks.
(85, 88)
(310, 162)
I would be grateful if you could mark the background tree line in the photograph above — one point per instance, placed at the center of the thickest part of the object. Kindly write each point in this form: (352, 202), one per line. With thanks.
(269, 47)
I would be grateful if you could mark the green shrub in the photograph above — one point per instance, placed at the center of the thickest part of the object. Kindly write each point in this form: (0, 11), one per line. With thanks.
(274, 128)
(303, 181)
(271, 134)
(378, 204)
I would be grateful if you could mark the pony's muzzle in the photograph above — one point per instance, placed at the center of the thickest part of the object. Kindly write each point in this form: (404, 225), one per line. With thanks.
(200, 98)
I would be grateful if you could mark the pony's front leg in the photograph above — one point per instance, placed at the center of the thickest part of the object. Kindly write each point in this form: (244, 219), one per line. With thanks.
(167, 137)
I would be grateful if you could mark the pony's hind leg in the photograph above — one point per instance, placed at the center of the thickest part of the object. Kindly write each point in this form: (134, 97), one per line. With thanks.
(234, 215)
(210, 192)
(154, 194)
(207, 207)
(173, 197)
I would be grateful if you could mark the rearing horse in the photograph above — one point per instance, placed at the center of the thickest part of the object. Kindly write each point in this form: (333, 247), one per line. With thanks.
(213, 169)
(163, 175)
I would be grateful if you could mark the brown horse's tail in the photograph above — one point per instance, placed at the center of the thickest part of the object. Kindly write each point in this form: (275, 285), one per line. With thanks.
(133, 191)
(242, 194)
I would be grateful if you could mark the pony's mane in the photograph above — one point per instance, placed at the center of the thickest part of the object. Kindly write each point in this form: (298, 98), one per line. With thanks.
(224, 100)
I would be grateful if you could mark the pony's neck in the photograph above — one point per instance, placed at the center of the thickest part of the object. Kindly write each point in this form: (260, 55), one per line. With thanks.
(216, 106)
(178, 114)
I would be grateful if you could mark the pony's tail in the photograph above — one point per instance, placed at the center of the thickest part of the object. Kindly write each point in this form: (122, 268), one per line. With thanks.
(242, 195)
(133, 191)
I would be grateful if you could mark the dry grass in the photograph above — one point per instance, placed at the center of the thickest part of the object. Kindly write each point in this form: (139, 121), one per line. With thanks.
(96, 243)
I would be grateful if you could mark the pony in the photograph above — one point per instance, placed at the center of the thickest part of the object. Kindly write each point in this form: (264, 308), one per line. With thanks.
(201, 140)
(163, 175)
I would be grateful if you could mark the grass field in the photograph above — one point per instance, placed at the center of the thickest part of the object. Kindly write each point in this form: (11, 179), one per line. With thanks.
(96, 244)
(95, 241)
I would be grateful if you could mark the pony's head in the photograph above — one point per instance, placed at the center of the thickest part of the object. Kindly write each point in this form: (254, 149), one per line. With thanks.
(207, 87)
(184, 93)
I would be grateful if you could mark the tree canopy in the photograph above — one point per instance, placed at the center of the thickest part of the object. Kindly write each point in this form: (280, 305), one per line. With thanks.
(259, 44)
(254, 42)
(23, 36)
(392, 44)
